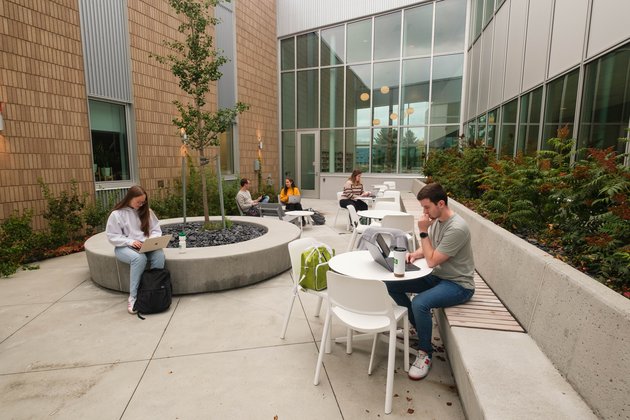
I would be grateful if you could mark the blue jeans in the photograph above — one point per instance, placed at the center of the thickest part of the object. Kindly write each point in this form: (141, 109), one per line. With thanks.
(138, 263)
(432, 292)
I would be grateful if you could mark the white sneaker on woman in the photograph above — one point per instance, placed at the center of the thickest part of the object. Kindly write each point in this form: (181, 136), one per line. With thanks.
(130, 303)
(420, 368)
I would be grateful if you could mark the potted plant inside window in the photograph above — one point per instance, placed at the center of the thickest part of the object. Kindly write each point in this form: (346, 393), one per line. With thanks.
(103, 157)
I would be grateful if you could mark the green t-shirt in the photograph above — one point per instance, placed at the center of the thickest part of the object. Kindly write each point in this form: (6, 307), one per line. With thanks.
(453, 239)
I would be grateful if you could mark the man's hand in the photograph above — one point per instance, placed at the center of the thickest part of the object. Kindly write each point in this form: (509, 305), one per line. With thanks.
(424, 222)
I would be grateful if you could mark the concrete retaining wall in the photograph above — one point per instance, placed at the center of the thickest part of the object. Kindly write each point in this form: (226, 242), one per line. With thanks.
(204, 269)
(582, 326)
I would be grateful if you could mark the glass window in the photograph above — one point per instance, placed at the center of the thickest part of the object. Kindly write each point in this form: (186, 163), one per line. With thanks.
(226, 143)
(447, 88)
(478, 19)
(508, 128)
(385, 93)
(415, 91)
(358, 96)
(288, 100)
(443, 137)
(110, 146)
(412, 149)
(471, 132)
(529, 124)
(288, 154)
(333, 51)
(357, 150)
(331, 146)
(287, 52)
(493, 120)
(384, 148)
(606, 101)
(480, 138)
(307, 51)
(560, 106)
(487, 11)
(359, 41)
(418, 31)
(307, 95)
(450, 26)
(387, 36)
(332, 97)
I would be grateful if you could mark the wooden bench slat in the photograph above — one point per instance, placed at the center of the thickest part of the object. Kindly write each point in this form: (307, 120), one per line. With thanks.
(488, 327)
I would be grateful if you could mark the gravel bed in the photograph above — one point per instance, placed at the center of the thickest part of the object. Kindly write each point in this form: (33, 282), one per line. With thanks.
(197, 237)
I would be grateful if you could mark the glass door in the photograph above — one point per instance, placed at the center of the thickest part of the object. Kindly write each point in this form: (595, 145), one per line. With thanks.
(307, 158)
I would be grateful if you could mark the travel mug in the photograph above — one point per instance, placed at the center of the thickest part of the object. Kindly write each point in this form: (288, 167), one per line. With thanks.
(399, 255)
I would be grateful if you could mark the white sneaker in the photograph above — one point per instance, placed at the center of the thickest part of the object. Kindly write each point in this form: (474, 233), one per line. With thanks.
(420, 368)
(130, 303)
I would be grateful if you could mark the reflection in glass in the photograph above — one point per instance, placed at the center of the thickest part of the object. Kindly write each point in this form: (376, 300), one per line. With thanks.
(307, 93)
(418, 31)
(471, 132)
(487, 11)
(385, 92)
(445, 137)
(109, 141)
(387, 39)
(480, 139)
(415, 90)
(493, 120)
(359, 41)
(331, 151)
(307, 157)
(288, 154)
(332, 97)
(384, 148)
(357, 154)
(560, 107)
(508, 128)
(447, 88)
(333, 50)
(529, 124)
(226, 147)
(606, 101)
(287, 53)
(307, 50)
(357, 105)
(288, 100)
(412, 149)
(450, 26)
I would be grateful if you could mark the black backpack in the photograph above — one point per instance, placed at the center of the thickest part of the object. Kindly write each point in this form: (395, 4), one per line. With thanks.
(155, 292)
(317, 217)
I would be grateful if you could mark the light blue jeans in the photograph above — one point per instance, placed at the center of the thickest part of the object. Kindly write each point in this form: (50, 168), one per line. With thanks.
(138, 263)
(432, 292)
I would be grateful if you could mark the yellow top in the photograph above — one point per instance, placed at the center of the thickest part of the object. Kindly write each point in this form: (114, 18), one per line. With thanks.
(284, 197)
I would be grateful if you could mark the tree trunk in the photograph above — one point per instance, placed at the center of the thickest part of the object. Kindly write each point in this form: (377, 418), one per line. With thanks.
(204, 192)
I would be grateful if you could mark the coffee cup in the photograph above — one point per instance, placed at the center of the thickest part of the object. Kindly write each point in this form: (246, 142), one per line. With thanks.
(399, 254)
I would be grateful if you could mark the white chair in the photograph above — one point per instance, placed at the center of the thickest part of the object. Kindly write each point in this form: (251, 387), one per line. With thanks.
(339, 209)
(394, 194)
(387, 205)
(404, 222)
(390, 184)
(295, 253)
(365, 306)
(357, 227)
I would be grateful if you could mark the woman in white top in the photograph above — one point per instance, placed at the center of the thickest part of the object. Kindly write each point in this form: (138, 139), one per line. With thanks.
(129, 225)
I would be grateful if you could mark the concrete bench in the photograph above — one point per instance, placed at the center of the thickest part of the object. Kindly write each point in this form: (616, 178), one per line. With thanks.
(502, 373)
(204, 269)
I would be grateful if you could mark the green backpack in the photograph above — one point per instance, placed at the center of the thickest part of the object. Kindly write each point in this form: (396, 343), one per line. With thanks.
(314, 265)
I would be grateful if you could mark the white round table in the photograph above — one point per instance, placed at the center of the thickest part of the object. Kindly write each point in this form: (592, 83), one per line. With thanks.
(379, 213)
(300, 214)
(360, 264)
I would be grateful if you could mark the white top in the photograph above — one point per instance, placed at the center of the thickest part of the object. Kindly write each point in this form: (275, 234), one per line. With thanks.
(379, 213)
(123, 227)
(360, 264)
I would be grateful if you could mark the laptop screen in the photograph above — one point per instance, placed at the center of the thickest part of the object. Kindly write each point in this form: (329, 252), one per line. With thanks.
(383, 245)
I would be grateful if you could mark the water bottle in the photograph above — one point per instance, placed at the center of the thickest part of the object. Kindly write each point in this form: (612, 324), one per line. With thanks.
(182, 242)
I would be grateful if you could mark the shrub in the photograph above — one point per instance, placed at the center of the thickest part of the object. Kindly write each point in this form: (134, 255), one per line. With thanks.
(64, 213)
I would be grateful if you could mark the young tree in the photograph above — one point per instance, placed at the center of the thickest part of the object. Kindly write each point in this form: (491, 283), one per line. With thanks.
(196, 63)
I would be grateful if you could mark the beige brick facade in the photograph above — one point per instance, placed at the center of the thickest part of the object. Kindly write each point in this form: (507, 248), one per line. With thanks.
(42, 88)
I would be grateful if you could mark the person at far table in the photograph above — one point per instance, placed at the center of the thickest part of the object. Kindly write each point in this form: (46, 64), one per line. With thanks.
(446, 246)
(244, 200)
(289, 190)
(352, 190)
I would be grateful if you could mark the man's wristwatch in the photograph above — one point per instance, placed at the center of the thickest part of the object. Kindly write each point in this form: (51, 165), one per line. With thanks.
(424, 235)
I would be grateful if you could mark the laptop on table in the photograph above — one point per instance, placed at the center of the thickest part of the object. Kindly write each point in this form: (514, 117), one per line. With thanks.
(151, 244)
(380, 254)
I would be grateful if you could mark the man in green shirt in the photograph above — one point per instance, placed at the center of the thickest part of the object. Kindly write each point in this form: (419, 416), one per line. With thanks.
(445, 240)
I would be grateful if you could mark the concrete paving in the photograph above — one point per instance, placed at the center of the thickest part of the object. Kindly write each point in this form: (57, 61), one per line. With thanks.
(68, 349)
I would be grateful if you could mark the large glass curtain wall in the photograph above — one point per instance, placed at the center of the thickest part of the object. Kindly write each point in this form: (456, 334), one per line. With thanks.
(381, 91)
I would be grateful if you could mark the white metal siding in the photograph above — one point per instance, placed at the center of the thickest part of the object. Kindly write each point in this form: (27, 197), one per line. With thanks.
(484, 67)
(516, 44)
(106, 49)
(609, 25)
(538, 25)
(498, 57)
(567, 37)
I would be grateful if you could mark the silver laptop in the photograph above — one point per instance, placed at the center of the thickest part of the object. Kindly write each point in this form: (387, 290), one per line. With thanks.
(151, 244)
(380, 254)
(294, 199)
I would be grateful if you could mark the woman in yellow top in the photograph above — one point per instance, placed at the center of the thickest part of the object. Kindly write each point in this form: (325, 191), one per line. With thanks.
(289, 190)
